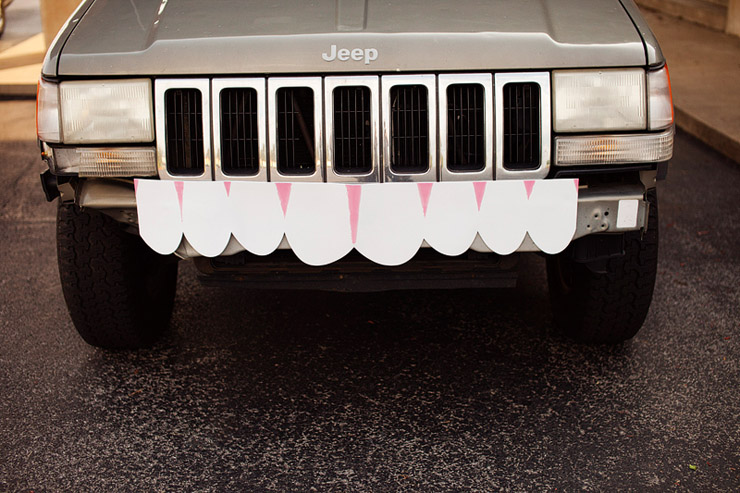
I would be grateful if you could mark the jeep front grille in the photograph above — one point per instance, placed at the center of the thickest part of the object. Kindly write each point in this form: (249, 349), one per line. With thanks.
(184, 131)
(295, 128)
(521, 126)
(183, 128)
(352, 121)
(352, 130)
(296, 153)
(355, 128)
(409, 129)
(239, 134)
(465, 127)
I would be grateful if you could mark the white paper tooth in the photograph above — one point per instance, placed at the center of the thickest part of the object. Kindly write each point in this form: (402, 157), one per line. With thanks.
(553, 209)
(502, 221)
(390, 229)
(451, 221)
(256, 216)
(317, 222)
(205, 220)
(159, 215)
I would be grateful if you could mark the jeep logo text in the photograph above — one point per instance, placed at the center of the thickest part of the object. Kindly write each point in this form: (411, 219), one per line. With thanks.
(344, 54)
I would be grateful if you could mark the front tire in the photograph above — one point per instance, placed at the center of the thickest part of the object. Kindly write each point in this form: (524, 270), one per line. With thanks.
(607, 306)
(118, 291)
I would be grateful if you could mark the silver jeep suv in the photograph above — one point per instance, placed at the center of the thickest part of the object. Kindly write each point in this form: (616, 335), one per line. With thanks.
(354, 145)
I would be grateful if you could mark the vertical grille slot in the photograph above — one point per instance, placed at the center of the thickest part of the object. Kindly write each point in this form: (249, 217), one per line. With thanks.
(352, 130)
(466, 143)
(522, 126)
(184, 131)
(239, 131)
(296, 146)
(409, 129)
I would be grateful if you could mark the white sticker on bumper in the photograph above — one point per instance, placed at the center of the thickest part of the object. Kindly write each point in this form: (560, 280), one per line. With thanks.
(627, 213)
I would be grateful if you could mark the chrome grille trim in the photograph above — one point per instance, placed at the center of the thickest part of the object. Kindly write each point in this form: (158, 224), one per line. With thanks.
(259, 85)
(380, 90)
(543, 80)
(430, 82)
(373, 83)
(160, 87)
(444, 81)
(315, 84)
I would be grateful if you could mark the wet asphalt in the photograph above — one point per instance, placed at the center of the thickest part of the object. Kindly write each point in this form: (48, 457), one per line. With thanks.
(415, 391)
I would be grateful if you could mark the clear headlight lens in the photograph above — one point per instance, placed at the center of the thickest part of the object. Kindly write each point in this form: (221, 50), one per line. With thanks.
(107, 111)
(47, 112)
(599, 100)
(660, 99)
(614, 149)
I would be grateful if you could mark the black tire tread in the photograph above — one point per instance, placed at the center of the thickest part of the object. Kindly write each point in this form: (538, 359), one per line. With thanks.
(609, 307)
(104, 273)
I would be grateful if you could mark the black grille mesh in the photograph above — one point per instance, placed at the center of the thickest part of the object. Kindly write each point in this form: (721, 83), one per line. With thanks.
(409, 129)
(466, 143)
(295, 131)
(521, 126)
(352, 132)
(239, 135)
(184, 131)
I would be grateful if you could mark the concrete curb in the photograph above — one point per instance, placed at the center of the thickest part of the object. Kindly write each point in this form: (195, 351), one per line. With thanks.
(20, 81)
(24, 91)
(21, 60)
(711, 136)
(705, 13)
(20, 66)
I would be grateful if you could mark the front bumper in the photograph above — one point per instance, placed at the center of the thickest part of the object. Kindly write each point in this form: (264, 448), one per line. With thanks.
(597, 209)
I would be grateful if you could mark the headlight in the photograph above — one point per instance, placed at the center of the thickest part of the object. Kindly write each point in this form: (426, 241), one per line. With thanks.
(47, 112)
(106, 111)
(599, 100)
(660, 99)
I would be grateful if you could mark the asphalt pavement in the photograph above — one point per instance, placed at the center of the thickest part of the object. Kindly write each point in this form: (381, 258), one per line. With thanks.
(416, 391)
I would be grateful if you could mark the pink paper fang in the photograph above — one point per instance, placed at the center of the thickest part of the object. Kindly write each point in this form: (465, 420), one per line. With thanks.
(179, 186)
(480, 191)
(354, 194)
(425, 191)
(283, 190)
(529, 185)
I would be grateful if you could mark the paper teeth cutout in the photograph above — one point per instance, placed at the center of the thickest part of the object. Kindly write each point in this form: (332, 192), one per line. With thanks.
(204, 210)
(386, 222)
(503, 217)
(317, 223)
(255, 216)
(551, 222)
(391, 222)
(160, 216)
(451, 221)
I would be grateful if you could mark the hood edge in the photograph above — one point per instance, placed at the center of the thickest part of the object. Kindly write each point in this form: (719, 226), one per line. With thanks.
(50, 66)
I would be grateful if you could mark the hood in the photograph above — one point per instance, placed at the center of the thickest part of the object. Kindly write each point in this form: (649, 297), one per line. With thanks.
(188, 37)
